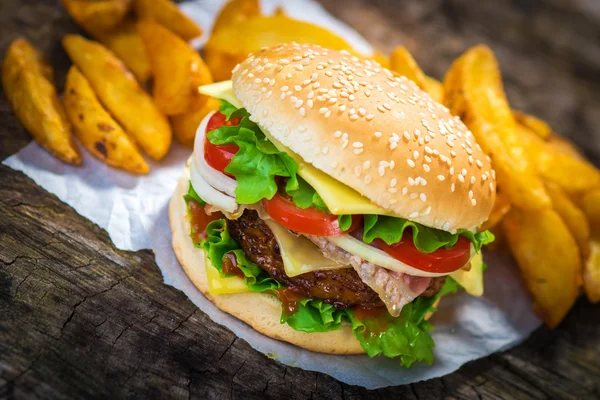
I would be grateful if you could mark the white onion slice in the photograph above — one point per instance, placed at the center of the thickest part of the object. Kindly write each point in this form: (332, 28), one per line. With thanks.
(215, 178)
(207, 192)
(377, 256)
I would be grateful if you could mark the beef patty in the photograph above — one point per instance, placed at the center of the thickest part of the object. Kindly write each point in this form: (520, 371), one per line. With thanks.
(341, 287)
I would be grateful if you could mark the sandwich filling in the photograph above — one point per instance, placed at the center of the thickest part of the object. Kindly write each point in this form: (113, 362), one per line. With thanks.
(271, 223)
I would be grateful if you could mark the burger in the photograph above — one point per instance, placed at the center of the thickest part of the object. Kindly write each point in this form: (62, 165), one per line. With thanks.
(331, 203)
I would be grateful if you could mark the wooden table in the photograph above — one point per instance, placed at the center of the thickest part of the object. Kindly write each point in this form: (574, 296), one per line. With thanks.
(80, 319)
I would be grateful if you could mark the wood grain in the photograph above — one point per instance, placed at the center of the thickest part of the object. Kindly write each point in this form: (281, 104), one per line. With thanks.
(81, 319)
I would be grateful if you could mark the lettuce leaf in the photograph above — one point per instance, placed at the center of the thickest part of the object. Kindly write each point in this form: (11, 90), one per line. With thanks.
(314, 316)
(426, 240)
(305, 196)
(257, 162)
(345, 222)
(405, 337)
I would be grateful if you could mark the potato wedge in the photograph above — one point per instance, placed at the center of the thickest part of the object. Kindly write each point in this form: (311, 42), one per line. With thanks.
(177, 68)
(185, 125)
(381, 58)
(535, 124)
(501, 208)
(435, 89)
(574, 217)
(221, 63)
(549, 260)
(26, 80)
(235, 11)
(166, 13)
(591, 273)
(121, 94)
(97, 131)
(124, 41)
(591, 207)
(403, 63)
(254, 33)
(488, 115)
(557, 163)
(97, 15)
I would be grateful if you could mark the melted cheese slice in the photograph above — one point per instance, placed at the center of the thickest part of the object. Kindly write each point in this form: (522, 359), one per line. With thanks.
(471, 280)
(220, 285)
(299, 254)
(339, 198)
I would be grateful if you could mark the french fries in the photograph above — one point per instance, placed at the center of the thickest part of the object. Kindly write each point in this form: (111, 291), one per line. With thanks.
(124, 41)
(574, 218)
(535, 125)
(476, 78)
(549, 260)
(96, 16)
(234, 12)
(185, 125)
(177, 68)
(557, 163)
(26, 79)
(121, 94)
(591, 273)
(403, 63)
(97, 131)
(501, 208)
(166, 13)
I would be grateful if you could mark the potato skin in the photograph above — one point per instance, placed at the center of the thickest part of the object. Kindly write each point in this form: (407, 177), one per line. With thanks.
(166, 13)
(96, 16)
(177, 68)
(121, 94)
(97, 131)
(185, 125)
(27, 83)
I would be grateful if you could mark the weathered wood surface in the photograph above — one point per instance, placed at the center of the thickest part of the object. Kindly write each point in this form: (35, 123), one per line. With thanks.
(80, 319)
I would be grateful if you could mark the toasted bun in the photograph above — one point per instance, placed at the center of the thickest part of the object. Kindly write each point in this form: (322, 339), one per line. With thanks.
(259, 310)
(371, 130)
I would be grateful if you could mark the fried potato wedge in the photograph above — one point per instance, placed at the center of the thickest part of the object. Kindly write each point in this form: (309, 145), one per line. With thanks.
(177, 68)
(574, 217)
(549, 260)
(185, 125)
(535, 124)
(254, 33)
(557, 163)
(221, 63)
(27, 83)
(121, 94)
(166, 13)
(403, 63)
(591, 273)
(501, 208)
(486, 112)
(97, 131)
(125, 42)
(591, 207)
(99, 15)
(234, 12)
(381, 58)
(435, 89)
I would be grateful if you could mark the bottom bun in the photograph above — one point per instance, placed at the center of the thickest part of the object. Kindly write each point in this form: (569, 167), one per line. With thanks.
(262, 311)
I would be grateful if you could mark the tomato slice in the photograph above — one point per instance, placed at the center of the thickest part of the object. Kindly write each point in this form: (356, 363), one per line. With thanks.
(440, 261)
(199, 220)
(219, 156)
(309, 221)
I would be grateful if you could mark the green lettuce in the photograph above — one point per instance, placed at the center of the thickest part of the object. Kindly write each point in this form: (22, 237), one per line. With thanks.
(257, 162)
(426, 240)
(192, 195)
(304, 196)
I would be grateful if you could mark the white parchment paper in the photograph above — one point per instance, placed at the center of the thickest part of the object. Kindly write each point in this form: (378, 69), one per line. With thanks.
(133, 210)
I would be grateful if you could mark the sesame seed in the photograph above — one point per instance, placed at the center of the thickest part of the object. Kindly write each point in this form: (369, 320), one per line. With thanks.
(446, 226)
(461, 178)
(380, 108)
(410, 163)
(470, 194)
(411, 181)
(337, 134)
(381, 171)
(369, 117)
(357, 151)
(325, 150)
(473, 202)
(479, 163)
(463, 172)
(404, 191)
(357, 170)
(473, 180)
(378, 134)
(426, 168)
(415, 154)
(367, 179)
(491, 186)
(413, 214)
(392, 190)
(393, 201)
(414, 196)
(452, 187)
(423, 197)
(323, 110)
(406, 135)
(441, 177)
(357, 144)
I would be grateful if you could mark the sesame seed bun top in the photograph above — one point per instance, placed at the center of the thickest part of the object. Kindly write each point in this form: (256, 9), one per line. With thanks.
(371, 130)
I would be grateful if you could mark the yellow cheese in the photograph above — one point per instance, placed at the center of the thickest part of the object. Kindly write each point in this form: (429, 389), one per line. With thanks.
(471, 280)
(299, 254)
(219, 285)
(339, 198)
(221, 90)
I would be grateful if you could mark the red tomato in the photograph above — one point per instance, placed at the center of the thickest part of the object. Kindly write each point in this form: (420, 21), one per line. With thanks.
(309, 221)
(199, 220)
(219, 156)
(440, 261)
